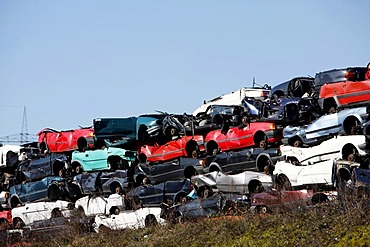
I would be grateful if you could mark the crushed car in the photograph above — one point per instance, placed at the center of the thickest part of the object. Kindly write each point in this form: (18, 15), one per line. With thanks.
(66, 140)
(243, 183)
(296, 87)
(99, 205)
(108, 158)
(338, 146)
(254, 134)
(251, 159)
(176, 169)
(348, 121)
(36, 211)
(185, 146)
(216, 205)
(297, 175)
(130, 132)
(140, 218)
(338, 88)
(148, 195)
(236, 97)
(107, 182)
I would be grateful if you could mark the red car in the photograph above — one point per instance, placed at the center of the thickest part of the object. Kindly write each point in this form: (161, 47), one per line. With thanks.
(5, 218)
(189, 146)
(66, 140)
(259, 134)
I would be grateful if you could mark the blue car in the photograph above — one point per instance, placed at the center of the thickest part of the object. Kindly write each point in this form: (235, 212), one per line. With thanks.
(110, 158)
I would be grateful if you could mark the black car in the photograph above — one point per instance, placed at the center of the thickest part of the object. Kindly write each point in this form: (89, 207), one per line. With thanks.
(172, 170)
(251, 159)
(154, 195)
(290, 111)
(117, 181)
(295, 87)
(219, 204)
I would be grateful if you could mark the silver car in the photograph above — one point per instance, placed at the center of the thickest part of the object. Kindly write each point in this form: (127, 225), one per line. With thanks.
(242, 183)
(347, 121)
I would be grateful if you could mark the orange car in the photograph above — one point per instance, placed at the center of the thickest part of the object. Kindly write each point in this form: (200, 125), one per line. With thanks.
(342, 88)
(66, 140)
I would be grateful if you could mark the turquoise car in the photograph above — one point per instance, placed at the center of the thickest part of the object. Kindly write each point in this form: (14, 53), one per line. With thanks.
(102, 159)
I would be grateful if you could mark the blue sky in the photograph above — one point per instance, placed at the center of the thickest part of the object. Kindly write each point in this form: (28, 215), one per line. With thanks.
(69, 62)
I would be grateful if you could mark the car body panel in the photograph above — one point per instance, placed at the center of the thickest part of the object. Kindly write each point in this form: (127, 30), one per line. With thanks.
(129, 219)
(237, 183)
(94, 160)
(65, 140)
(41, 210)
(172, 149)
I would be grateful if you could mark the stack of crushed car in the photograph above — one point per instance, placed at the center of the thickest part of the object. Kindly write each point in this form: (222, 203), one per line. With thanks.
(304, 141)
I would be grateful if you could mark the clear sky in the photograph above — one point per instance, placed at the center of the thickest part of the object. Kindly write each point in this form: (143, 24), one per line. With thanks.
(70, 61)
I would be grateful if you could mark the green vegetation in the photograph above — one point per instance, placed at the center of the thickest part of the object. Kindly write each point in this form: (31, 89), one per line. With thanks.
(325, 225)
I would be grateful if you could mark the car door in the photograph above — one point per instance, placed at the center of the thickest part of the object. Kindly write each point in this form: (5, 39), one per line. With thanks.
(95, 159)
(318, 173)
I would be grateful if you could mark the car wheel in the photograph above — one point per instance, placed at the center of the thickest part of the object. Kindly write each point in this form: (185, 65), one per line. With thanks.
(78, 169)
(18, 223)
(4, 224)
(81, 144)
(283, 183)
(14, 202)
(262, 143)
(352, 127)
(81, 212)
(53, 193)
(297, 143)
(150, 221)
(204, 192)
(212, 148)
(56, 213)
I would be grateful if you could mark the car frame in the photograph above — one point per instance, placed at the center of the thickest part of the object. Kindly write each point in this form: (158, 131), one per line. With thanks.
(100, 205)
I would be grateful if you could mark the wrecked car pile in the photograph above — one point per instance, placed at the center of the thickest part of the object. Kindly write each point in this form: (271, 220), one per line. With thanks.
(259, 149)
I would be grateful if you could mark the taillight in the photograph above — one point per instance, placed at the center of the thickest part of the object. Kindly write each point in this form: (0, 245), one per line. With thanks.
(272, 126)
(6, 195)
(350, 75)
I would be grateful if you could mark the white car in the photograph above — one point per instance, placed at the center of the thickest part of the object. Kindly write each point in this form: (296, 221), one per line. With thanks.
(241, 183)
(17, 150)
(140, 218)
(297, 175)
(338, 146)
(234, 98)
(36, 211)
(100, 205)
